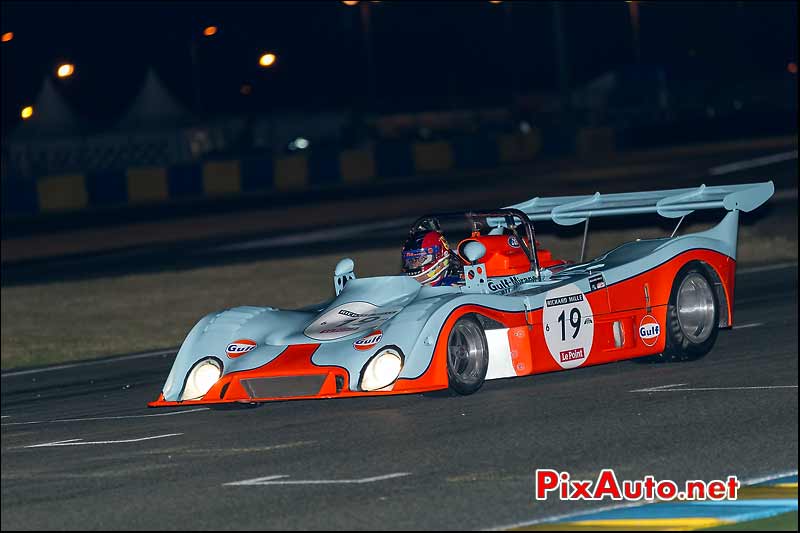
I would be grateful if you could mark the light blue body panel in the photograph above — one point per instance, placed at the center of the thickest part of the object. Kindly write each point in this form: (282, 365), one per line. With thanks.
(411, 316)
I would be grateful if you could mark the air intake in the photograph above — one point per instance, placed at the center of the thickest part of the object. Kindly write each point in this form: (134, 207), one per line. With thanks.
(284, 387)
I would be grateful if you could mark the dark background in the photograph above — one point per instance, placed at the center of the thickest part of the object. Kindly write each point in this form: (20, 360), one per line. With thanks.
(427, 55)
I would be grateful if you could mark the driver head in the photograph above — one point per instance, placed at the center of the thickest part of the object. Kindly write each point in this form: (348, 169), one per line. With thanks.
(426, 257)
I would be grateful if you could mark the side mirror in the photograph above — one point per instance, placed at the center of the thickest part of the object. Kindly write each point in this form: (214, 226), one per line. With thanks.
(473, 251)
(344, 266)
(342, 274)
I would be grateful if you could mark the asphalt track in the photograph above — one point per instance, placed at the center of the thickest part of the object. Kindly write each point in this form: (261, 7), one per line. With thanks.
(81, 451)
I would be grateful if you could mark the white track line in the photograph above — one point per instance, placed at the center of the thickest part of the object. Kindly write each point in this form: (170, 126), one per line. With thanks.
(278, 480)
(764, 479)
(122, 417)
(651, 389)
(751, 325)
(88, 363)
(81, 442)
(691, 389)
(310, 237)
(753, 163)
(577, 514)
(254, 481)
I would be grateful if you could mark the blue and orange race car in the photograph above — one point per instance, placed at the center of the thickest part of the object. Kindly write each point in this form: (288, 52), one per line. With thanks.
(514, 310)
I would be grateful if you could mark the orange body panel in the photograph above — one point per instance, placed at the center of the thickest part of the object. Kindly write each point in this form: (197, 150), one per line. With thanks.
(630, 294)
(519, 344)
(504, 259)
(501, 259)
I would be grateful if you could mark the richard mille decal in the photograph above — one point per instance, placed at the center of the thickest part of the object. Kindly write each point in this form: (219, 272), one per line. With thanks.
(347, 319)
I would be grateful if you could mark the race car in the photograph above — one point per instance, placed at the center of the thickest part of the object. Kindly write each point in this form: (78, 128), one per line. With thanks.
(513, 310)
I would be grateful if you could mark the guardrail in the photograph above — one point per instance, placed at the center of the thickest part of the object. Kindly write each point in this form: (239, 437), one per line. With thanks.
(316, 169)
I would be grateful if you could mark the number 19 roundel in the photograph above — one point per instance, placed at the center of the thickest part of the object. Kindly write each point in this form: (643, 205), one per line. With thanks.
(568, 325)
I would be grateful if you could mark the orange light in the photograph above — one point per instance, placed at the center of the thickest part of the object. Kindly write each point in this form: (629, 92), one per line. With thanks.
(209, 31)
(66, 70)
(792, 67)
(7, 36)
(267, 60)
(495, 1)
(350, 2)
(27, 112)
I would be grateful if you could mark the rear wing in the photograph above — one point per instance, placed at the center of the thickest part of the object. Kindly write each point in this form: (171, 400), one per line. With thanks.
(673, 203)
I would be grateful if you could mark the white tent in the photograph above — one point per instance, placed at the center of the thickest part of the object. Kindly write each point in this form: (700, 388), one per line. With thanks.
(52, 116)
(154, 107)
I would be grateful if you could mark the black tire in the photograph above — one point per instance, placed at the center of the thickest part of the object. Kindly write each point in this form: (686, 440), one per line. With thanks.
(692, 315)
(467, 356)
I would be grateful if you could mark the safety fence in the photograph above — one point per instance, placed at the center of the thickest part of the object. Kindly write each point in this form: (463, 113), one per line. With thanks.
(304, 171)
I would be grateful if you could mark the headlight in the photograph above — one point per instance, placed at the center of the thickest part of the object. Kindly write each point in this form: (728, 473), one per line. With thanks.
(382, 370)
(201, 378)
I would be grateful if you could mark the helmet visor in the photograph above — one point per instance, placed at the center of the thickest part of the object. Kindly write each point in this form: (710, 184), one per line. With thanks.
(418, 258)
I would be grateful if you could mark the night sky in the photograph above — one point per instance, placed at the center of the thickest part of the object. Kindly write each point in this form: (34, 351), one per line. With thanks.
(428, 55)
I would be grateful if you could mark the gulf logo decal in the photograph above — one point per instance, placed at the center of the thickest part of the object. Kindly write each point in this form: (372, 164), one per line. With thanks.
(240, 347)
(649, 330)
(365, 343)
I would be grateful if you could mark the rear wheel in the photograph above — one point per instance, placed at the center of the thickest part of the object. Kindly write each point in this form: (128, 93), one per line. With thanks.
(692, 316)
(467, 356)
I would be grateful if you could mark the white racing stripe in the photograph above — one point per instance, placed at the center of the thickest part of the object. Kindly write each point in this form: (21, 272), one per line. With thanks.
(78, 364)
(753, 163)
(121, 417)
(280, 480)
(81, 442)
(578, 514)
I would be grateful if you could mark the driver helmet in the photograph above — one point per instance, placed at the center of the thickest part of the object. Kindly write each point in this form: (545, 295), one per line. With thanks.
(426, 257)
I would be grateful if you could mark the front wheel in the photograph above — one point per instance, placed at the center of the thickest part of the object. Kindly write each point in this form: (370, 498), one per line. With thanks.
(467, 356)
(692, 316)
